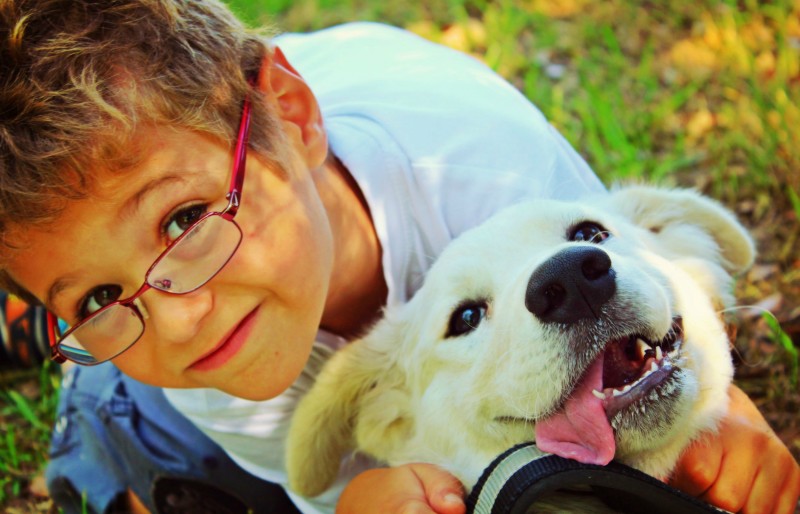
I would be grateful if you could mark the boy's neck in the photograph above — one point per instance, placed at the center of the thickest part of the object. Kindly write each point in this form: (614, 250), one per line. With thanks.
(357, 287)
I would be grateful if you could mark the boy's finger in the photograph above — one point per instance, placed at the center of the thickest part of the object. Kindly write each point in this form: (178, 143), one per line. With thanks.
(787, 502)
(414, 506)
(450, 503)
(698, 468)
(444, 492)
(763, 495)
(734, 484)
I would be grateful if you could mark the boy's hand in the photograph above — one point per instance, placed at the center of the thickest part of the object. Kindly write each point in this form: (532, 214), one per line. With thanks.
(408, 489)
(746, 468)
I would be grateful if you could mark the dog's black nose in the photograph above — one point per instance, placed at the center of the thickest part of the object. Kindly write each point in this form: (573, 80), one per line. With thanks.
(571, 285)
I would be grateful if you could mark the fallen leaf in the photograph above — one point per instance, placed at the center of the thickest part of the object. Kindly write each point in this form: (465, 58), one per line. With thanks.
(38, 486)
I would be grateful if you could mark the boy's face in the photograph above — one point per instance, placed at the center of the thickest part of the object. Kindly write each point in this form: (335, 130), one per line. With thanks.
(249, 330)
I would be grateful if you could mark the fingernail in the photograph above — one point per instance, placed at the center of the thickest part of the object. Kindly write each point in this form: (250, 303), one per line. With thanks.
(452, 498)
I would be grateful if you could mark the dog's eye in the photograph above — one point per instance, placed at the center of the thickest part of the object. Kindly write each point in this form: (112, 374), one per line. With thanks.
(588, 231)
(466, 318)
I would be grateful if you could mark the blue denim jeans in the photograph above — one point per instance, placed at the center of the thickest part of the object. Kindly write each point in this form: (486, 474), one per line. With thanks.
(113, 433)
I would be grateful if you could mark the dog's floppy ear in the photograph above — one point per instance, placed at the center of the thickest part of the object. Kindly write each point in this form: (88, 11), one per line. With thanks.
(689, 224)
(357, 401)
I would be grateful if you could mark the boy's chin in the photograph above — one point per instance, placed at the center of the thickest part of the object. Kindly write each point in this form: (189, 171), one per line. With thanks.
(264, 385)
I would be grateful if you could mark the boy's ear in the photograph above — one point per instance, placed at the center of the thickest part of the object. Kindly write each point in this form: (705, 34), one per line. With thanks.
(294, 103)
(359, 401)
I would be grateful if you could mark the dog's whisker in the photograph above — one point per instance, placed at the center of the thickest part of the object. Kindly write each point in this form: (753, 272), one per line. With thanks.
(600, 236)
(754, 312)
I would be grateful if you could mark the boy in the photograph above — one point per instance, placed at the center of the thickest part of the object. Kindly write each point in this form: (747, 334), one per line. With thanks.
(128, 129)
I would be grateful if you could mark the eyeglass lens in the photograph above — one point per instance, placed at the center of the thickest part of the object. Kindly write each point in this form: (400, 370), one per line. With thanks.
(194, 259)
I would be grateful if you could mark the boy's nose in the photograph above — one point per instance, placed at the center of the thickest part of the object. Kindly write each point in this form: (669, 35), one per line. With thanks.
(176, 318)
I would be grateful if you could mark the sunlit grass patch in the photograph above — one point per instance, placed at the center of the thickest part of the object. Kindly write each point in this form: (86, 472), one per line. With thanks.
(27, 406)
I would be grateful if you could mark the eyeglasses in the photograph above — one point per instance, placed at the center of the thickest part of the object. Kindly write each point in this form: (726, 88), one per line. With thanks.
(186, 265)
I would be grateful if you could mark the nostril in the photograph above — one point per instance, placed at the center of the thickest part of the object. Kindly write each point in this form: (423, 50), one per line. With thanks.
(552, 297)
(554, 292)
(596, 265)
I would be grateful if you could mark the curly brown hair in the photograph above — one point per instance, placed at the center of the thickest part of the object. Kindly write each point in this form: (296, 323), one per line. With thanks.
(77, 77)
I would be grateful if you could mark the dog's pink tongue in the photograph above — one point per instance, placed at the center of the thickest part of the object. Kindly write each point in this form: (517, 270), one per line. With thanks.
(581, 430)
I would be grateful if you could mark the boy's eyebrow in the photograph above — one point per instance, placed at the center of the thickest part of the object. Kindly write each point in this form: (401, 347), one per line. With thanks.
(132, 204)
(128, 209)
(55, 289)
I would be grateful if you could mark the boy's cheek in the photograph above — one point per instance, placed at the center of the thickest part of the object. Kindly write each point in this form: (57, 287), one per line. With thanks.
(137, 364)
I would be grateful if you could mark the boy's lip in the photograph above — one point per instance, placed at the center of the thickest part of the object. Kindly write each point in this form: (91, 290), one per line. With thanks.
(228, 345)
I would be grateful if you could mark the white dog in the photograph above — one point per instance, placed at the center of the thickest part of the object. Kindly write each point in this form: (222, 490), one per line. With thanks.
(589, 327)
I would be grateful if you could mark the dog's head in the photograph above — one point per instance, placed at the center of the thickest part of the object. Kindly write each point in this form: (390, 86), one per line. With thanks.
(589, 327)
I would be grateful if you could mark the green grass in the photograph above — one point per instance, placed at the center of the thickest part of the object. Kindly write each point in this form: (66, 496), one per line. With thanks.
(786, 344)
(27, 406)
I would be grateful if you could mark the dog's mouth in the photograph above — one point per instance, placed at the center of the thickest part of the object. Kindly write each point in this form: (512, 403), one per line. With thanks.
(631, 372)
(634, 366)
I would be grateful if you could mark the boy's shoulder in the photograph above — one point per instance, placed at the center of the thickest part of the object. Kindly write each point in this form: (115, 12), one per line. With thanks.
(365, 54)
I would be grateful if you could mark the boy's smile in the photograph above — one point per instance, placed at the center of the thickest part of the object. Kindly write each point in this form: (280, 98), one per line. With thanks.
(254, 322)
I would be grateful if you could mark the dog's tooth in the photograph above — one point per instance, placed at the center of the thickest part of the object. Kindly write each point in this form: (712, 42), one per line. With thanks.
(626, 388)
(653, 366)
(599, 394)
(659, 353)
(642, 346)
(616, 392)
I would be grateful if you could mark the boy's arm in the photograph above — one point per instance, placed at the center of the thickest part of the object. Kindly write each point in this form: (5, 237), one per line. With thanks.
(407, 489)
(746, 468)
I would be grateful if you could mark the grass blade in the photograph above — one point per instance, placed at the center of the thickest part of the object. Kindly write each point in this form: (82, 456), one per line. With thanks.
(26, 411)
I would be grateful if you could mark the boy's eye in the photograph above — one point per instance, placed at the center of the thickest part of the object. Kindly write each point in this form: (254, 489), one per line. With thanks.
(98, 298)
(181, 220)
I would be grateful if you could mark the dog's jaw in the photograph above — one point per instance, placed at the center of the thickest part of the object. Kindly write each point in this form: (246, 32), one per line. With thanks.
(640, 372)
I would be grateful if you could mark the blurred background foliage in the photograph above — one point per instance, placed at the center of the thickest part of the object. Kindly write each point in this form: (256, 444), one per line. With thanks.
(698, 93)
(643, 89)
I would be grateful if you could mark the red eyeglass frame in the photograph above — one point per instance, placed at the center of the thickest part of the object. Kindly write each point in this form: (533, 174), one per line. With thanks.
(234, 197)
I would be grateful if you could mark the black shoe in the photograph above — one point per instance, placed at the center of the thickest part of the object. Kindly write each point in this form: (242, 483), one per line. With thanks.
(23, 333)
(182, 496)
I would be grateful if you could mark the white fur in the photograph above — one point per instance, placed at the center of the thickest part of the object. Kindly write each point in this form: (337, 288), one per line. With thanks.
(407, 393)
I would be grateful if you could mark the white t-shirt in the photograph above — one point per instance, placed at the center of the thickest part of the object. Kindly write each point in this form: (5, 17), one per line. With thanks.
(437, 143)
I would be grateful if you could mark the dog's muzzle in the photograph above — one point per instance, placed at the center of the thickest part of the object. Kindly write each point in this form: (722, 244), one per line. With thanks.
(572, 285)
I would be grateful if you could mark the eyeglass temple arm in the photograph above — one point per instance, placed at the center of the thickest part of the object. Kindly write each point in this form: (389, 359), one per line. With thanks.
(52, 324)
(240, 156)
